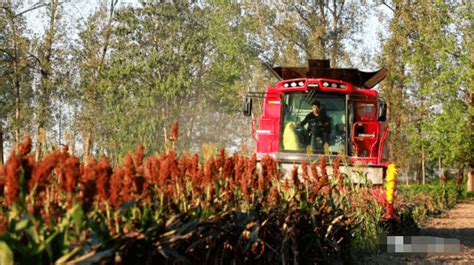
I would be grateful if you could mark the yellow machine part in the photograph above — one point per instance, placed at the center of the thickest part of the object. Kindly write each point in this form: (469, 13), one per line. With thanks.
(391, 182)
(290, 139)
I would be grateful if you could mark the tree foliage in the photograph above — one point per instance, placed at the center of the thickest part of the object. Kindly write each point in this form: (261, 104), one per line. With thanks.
(166, 62)
(428, 89)
(290, 33)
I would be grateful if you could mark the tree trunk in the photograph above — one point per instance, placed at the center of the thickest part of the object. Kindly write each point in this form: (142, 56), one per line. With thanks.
(423, 172)
(72, 145)
(87, 147)
(1, 144)
(17, 111)
(470, 178)
(408, 174)
(45, 83)
(95, 79)
(40, 142)
(418, 173)
(460, 176)
(16, 71)
(440, 168)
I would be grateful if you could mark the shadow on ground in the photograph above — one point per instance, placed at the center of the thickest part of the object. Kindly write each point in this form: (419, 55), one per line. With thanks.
(465, 235)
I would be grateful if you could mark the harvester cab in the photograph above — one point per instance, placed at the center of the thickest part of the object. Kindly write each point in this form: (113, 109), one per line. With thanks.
(350, 121)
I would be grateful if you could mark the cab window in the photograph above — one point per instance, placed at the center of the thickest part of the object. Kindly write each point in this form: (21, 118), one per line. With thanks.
(330, 136)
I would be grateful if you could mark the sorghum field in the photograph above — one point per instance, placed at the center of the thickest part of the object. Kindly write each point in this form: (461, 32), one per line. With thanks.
(170, 209)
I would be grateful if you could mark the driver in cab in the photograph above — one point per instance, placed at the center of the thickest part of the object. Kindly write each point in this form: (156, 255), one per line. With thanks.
(318, 127)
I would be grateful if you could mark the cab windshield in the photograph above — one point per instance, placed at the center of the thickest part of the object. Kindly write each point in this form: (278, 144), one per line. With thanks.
(315, 124)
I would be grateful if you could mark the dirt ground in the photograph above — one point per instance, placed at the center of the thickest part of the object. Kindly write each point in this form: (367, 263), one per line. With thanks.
(457, 223)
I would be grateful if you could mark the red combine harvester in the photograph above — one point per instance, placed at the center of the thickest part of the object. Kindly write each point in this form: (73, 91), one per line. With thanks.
(351, 119)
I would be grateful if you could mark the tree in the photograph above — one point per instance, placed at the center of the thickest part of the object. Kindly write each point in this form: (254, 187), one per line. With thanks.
(316, 29)
(171, 62)
(92, 53)
(449, 127)
(150, 73)
(428, 84)
(15, 75)
(225, 74)
(49, 77)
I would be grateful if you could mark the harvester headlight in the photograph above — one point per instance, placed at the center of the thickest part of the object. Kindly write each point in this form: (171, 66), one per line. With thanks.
(325, 84)
(293, 84)
(301, 83)
(334, 85)
(342, 86)
(285, 85)
(313, 85)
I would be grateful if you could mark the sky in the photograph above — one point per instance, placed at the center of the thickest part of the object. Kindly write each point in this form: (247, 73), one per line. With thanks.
(75, 11)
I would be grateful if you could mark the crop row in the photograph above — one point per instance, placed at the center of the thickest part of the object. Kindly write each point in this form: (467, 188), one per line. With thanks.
(179, 210)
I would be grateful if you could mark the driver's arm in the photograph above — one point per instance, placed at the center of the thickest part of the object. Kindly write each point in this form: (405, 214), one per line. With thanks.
(306, 119)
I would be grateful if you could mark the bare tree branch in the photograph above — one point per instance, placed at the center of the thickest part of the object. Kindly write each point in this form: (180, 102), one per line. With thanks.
(31, 9)
(7, 53)
(387, 5)
(36, 59)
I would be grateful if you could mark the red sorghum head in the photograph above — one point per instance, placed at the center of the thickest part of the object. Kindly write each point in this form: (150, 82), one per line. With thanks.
(104, 171)
(88, 184)
(314, 173)
(116, 186)
(174, 131)
(25, 147)
(304, 167)
(42, 171)
(139, 153)
(12, 179)
(294, 176)
(71, 174)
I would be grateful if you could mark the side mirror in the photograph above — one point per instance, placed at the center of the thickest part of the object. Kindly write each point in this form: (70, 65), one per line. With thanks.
(247, 106)
(382, 110)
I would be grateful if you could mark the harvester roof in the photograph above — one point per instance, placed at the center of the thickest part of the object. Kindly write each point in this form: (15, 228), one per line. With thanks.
(321, 69)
